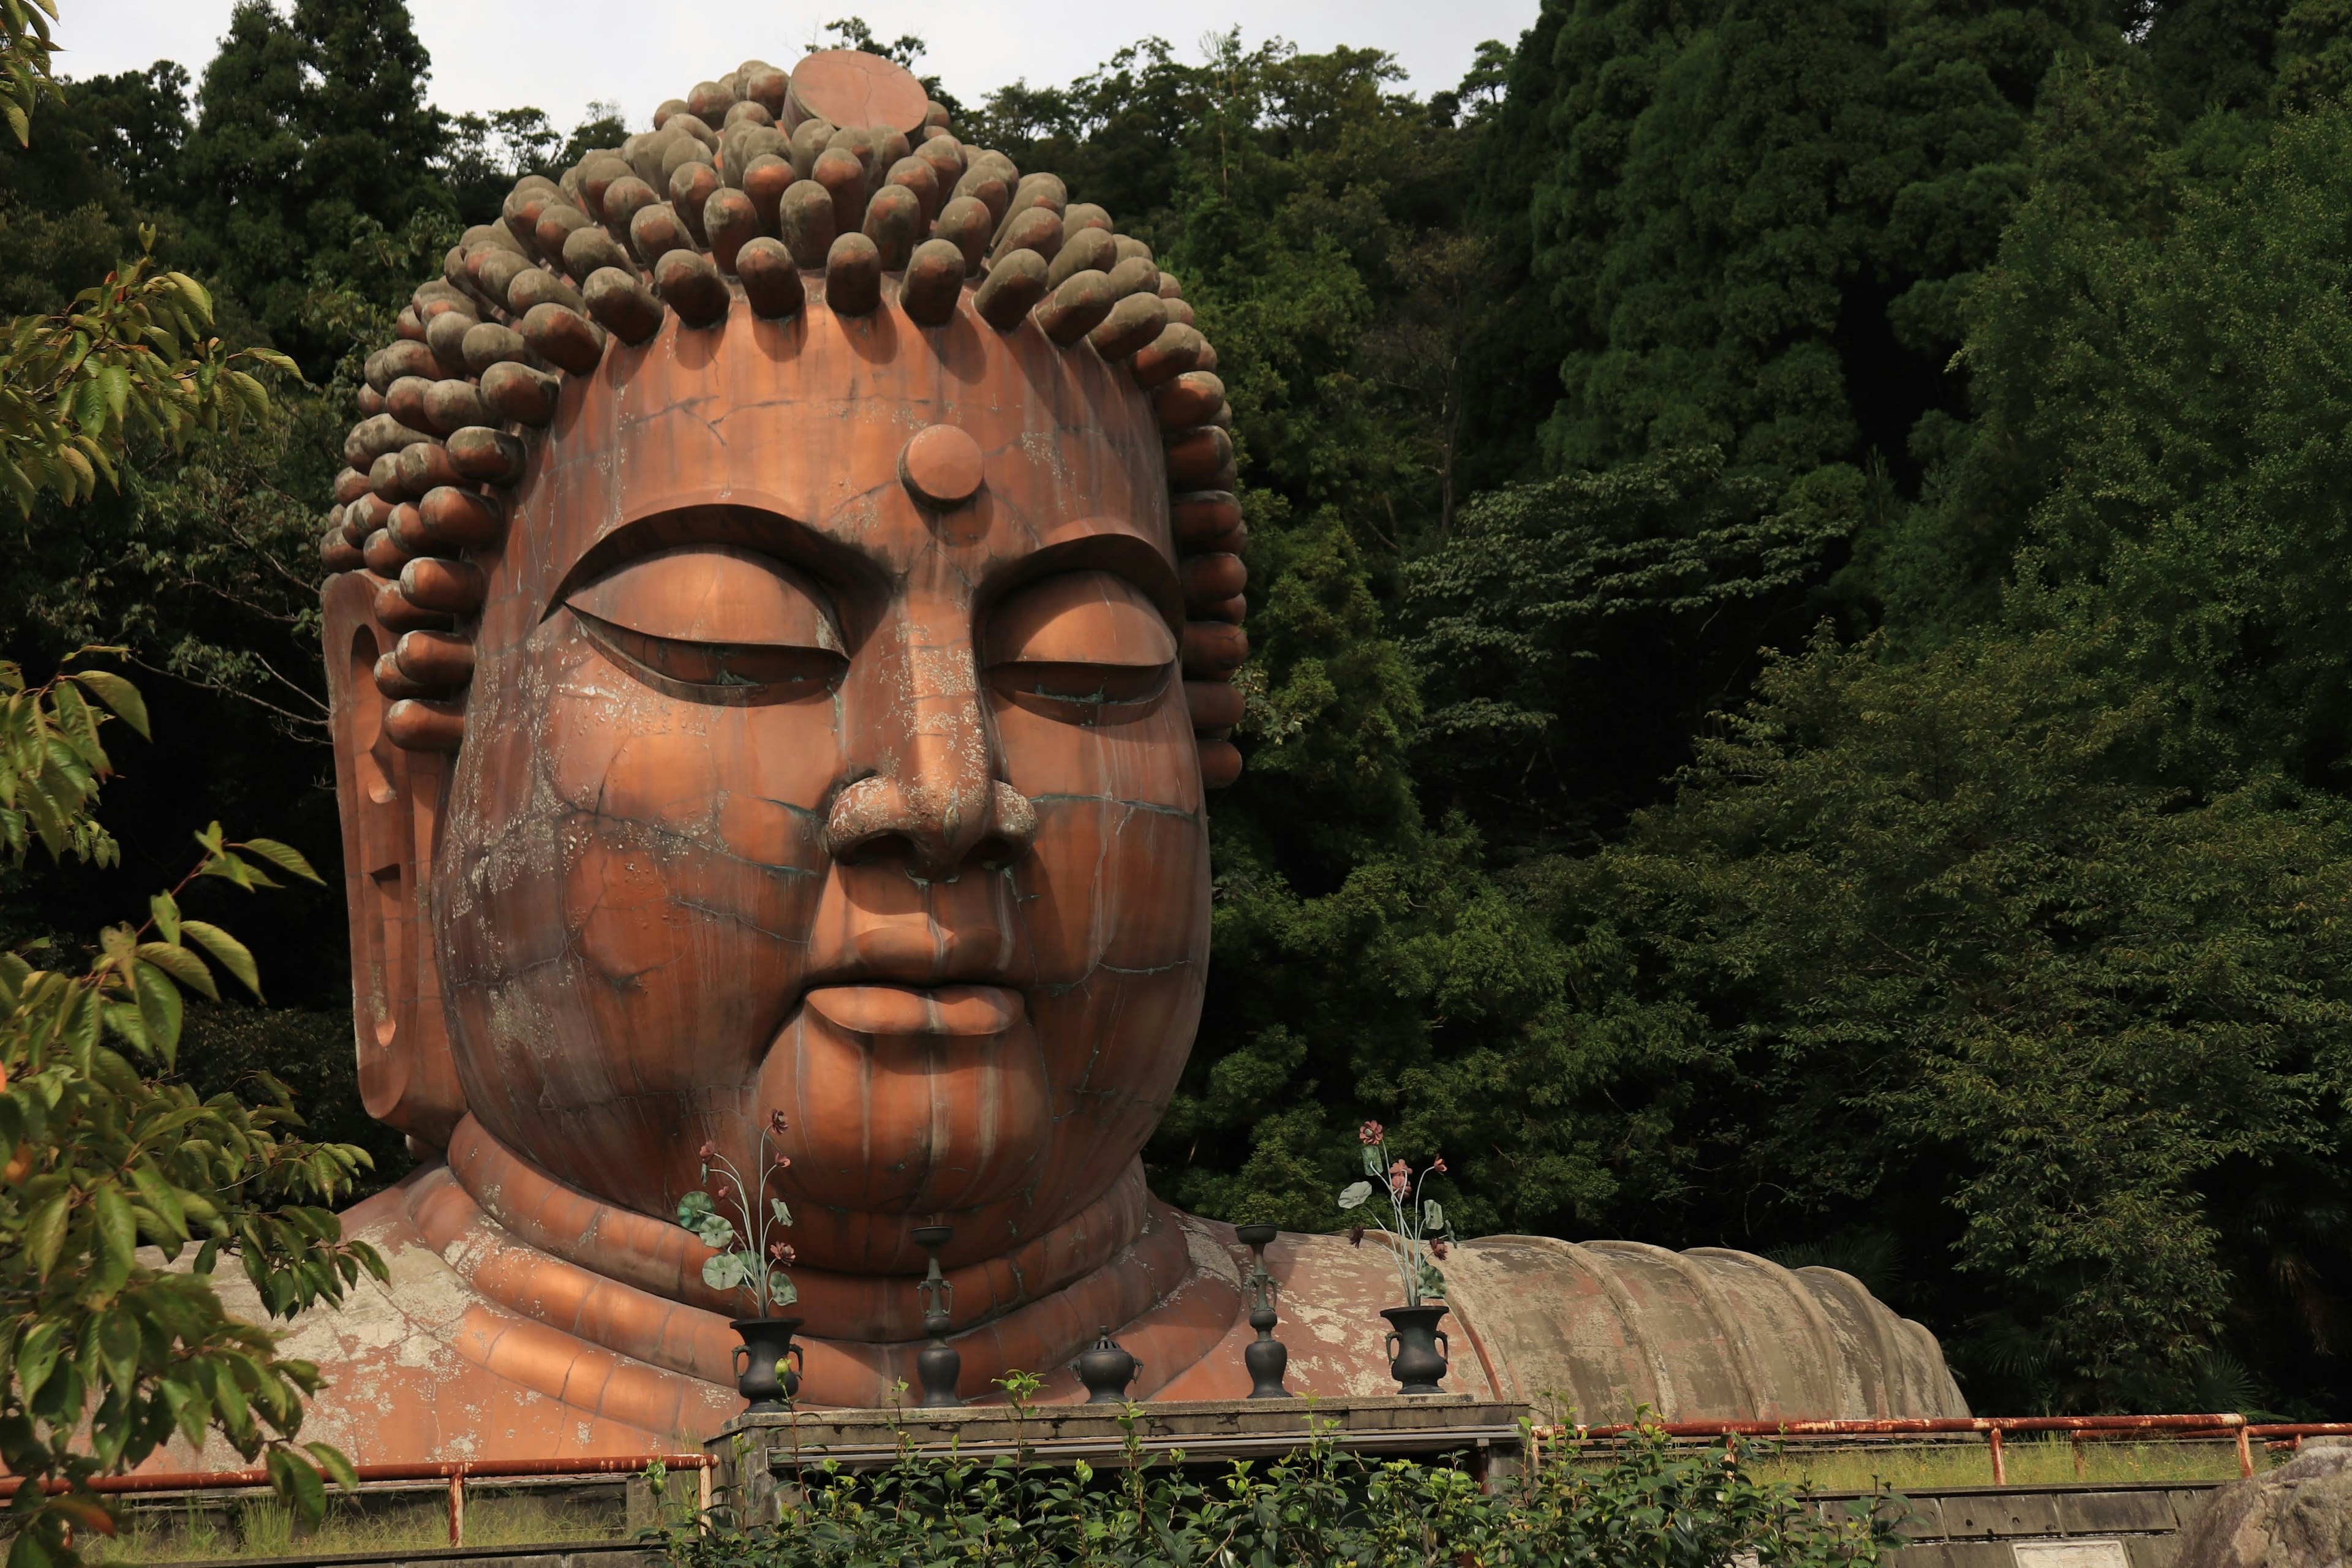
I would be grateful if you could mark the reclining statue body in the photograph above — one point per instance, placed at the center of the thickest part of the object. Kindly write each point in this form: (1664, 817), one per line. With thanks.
(825, 735)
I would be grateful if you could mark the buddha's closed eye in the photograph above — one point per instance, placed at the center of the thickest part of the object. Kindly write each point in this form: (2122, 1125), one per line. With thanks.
(1085, 646)
(714, 624)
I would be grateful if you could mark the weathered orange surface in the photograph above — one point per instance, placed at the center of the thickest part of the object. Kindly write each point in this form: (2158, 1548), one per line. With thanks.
(828, 751)
(483, 1346)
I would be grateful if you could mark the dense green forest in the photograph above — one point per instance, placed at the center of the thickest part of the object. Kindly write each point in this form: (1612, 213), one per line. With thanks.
(1801, 590)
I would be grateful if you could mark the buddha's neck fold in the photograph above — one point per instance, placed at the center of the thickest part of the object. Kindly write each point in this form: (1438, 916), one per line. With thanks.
(633, 1284)
(665, 1259)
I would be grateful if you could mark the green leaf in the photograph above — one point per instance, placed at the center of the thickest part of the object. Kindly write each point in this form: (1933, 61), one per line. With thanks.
(331, 1459)
(1432, 1214)
(159, 1007)
(165, 911)
(297, 1482)
(230, 953)
(715, 1230)
(162, 1196)
(193, 292)
(118, 1347)
(36, 1356)
(285, 857)
(45, 1234)
(782, 1291)
(1354, 1195)
(724, 1271)
(182, 966)
(189, 1409)
(691, 1209)
(117, 1231)
(229, 868)
(782, 1212)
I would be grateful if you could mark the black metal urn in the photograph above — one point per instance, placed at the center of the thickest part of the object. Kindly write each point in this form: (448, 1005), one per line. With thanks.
(938, 1365)
(766, 1372)
(1265, 1358)
(1417, 1347)
(1106, 1368)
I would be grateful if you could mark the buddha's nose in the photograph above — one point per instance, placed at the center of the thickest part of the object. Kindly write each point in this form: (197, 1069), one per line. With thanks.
(924, 780)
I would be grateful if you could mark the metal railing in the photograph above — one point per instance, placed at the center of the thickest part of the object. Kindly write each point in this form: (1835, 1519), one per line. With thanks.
(1993, 1428)
(456, 1472)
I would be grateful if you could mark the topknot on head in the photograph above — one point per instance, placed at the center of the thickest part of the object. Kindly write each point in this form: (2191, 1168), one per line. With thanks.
(839, 183)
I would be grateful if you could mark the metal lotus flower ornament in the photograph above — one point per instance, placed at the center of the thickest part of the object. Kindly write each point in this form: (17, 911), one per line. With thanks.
(749, 1258)
(1417, 1224)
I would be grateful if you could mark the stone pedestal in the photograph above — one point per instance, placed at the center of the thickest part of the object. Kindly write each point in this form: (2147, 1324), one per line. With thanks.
(759, 1457)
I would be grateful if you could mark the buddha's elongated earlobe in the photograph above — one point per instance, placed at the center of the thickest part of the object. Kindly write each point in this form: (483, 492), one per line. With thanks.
(395, 794)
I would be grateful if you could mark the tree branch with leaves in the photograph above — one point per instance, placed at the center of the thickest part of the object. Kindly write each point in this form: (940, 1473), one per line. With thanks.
(108, 1350)
(135, 354)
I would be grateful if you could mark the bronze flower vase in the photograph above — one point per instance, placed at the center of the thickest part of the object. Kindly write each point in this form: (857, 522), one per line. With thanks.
(1417, 1347)
(767, 1371)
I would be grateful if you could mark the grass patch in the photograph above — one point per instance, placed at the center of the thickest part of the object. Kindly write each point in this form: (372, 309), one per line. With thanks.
(2049, 1460)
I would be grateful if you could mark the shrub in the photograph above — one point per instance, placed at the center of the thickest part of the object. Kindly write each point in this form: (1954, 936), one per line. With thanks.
(1637, 1502)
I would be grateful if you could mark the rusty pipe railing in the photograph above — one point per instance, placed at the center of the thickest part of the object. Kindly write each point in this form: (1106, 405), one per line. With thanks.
(1991, 1427)
(456, 1472)
(2294, 1432)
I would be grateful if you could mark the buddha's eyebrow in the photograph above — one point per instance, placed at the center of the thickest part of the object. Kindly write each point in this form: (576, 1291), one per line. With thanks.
(1100, 543)
(745, 527)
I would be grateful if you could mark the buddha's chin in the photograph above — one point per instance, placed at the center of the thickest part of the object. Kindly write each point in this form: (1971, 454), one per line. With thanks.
(920, 1102)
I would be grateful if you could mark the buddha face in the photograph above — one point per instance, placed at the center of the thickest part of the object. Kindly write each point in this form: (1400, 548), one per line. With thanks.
(827, 754)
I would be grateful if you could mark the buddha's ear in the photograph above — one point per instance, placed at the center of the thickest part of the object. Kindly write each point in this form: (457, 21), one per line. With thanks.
(394, 802)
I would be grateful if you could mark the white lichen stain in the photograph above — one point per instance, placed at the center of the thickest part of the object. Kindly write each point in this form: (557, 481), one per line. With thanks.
(1208, 1257)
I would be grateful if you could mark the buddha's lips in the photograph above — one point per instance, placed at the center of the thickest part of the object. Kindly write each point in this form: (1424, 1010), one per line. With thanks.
(901, 1010)
(907, 1099)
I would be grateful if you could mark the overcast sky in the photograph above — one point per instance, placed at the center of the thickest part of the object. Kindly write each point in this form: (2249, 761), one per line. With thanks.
(560, 54)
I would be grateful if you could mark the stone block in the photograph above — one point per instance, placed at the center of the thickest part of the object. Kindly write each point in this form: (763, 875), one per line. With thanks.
(1954, 1555)
(1980, 1514)
(2111, 1513)
(2153, 1551)
(2107, 1554)
(1922, 1520)
(2187, 1504)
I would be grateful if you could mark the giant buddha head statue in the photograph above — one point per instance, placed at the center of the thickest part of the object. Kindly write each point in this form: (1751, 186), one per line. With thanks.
(781, 605)
(783, 594)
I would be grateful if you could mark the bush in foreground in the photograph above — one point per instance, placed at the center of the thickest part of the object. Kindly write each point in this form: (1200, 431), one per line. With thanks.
(1635, 1503)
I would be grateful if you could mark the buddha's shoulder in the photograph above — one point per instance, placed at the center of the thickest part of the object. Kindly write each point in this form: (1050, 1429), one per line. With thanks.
(421, 1365)
(1597, 1328)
